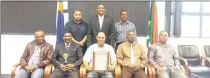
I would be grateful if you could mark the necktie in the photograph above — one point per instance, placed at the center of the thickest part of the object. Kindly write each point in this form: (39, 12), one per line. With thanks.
(67, 46)
(132, 55)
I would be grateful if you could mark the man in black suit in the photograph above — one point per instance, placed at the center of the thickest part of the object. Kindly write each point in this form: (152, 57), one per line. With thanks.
(67, 58)
(101, 23)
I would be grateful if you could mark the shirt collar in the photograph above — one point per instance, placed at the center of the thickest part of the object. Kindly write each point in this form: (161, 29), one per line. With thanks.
(41, 44)
(100, 16)
(100, 47)
(134, 43)
(76, 23)
(67, 45)
(127, 22)
(158, 44)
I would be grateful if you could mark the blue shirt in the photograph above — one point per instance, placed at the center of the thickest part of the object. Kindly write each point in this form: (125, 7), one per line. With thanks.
(78, 31)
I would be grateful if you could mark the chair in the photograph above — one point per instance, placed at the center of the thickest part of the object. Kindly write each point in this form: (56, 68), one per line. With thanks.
(47, 70)
(117, 71)
(190, 58)
(154, 72)
(207, 52)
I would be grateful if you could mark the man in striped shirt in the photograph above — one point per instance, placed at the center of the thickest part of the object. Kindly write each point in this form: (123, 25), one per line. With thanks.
(122, 27)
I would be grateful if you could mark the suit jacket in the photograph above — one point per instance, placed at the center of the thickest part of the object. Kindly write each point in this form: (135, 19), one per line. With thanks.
(107, 27)
(75, 55)
(45, 54)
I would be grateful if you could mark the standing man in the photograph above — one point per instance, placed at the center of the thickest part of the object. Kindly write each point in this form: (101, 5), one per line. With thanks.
(36, 56)
(165, 59)
(88, 58)
(122, 27)
(67, 58)
(101, 23)
(132, 58)
(78, 28)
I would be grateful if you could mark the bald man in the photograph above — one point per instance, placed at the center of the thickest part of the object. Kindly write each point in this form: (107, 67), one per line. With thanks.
(88, 60)
(159, 52)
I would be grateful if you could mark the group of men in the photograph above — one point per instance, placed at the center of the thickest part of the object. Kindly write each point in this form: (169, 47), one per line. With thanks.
(100, 34)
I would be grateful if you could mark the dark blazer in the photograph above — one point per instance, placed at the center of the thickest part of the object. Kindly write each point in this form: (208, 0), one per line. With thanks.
(107, 27)
(46, 54)
(75, 55)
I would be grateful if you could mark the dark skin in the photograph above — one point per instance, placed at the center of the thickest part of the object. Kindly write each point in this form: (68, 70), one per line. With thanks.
(67, 39)
(39, 38)
(131, 39)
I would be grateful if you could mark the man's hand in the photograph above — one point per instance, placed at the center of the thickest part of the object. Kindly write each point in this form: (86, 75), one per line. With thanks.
(81, 43)
(110, 68)
(70, 66)
(159, 69)
(63, 68)
(30, 68)
(27, 68)
(133, 67)
(89, 68)
(177, 68)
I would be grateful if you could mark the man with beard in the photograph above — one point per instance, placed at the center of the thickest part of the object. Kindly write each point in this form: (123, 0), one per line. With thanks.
(165, 59)
(78, 28)
(101, 23)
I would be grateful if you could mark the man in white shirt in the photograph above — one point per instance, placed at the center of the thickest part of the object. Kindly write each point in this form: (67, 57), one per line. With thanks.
(101, 23)
(88, 58)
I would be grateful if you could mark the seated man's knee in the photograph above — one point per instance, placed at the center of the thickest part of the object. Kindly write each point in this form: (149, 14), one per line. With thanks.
(90, 75)
(179, 75)
(109, 75)
(163, 74)
(22, 73)
(38, 73)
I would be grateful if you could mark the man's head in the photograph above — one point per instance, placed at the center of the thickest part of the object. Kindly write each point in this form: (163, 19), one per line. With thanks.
(163, 37)
(67, 37)
(100, 9)
(124, 15)
(39, 36)
(100, 38)
(131, 36)
(77, 15)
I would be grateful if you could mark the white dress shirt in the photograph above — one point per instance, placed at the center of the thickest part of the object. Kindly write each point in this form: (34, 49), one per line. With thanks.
(101, 19)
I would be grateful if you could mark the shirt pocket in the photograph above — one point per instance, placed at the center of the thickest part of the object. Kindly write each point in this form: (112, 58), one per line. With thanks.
(158, 54)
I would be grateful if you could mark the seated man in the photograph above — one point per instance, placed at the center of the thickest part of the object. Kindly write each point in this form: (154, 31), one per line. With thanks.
(36, 56)
(132, 58)
(165, 59)
(88, 60)
(67, 58)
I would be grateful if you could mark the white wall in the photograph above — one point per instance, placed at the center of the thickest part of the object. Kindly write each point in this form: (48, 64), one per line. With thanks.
(12, 47)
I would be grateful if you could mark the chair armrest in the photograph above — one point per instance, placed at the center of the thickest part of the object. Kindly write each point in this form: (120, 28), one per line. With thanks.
(151, 71)
(13, 70)
(186, 66)
(47, 70)
(117, 71)
(83, 71)
(205, 61)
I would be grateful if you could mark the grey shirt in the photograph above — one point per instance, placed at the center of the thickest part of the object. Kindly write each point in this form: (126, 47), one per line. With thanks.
(122, 29)
(163, 56)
